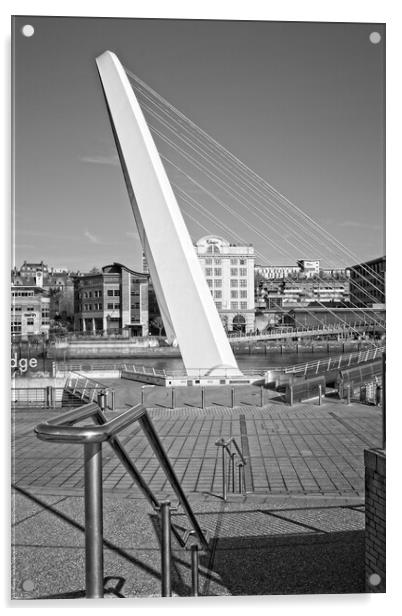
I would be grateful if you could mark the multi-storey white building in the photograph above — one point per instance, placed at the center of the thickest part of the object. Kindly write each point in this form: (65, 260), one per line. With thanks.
(229, 272)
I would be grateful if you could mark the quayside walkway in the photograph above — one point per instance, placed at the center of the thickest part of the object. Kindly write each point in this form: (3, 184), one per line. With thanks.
(298, 529)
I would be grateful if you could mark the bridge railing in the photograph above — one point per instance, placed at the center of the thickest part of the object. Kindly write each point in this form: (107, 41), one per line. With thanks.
(335, 362)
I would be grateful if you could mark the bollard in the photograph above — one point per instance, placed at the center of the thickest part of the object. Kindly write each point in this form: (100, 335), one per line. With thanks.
(319, 395)
(112, 396)
(233, 396)
(101, 400)
(165, 548)
(203, 398)
(173, 398)
(262, 396)
(194, 570)
(348, 394)
(291, 395)
(93, 521)
(142, 395)
(378, 395)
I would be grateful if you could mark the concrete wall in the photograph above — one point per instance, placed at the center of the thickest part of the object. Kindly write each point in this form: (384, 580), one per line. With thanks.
(374, 461)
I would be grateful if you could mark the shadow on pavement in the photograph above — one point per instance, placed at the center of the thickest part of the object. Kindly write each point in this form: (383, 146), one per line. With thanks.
(323, 563)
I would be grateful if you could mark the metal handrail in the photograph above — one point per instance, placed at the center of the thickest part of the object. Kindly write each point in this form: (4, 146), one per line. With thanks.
(62, 429)
(226, 448)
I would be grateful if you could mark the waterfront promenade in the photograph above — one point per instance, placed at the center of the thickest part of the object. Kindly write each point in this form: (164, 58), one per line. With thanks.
(299, 528)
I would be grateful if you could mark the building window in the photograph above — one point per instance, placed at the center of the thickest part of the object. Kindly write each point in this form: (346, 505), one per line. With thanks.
(243, 271)
(116, 292)
(109, 292)
(243, 294)
(208, 261)
(233, 261)
(30, 308)
(243, 305)
(218, 305)
(209, 282)
(243, 261)
(110, 306)
(30, 322)
(234, 294)
(234, 283)
(218, 271)
(243, 283)
(208, 271)
(218, 294)
(218, 282)
(218, 261)
(234, 271)
(117, 306)
(234, 305)
(213, 249)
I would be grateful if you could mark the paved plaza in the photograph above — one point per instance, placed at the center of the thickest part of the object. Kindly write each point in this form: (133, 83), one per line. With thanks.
(298, 529)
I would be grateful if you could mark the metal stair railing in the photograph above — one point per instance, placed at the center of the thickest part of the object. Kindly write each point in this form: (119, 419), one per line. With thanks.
(227, 450)
(62, 429)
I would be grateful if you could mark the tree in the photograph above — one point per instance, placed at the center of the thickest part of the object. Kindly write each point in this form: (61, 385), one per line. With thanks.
(95, 270)
(157, 323)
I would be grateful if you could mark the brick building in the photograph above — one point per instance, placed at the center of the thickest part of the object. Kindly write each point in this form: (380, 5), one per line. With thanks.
(112, 301)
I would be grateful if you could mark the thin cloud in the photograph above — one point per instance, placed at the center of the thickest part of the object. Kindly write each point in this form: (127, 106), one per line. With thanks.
(358, 224)
(91, 237)
(112, 160)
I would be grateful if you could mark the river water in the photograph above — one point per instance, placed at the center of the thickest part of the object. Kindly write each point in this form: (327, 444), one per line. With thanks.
(245, 362)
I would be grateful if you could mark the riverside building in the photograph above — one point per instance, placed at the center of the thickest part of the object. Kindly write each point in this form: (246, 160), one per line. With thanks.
(367, 283)
(30, 307)
(113, 301)
(229, 272)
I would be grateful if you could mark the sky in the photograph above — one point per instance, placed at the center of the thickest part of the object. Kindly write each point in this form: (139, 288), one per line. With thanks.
(302, 104)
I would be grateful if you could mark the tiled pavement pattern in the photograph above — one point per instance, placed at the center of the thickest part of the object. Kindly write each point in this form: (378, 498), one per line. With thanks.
(307, 449)
(300, 531)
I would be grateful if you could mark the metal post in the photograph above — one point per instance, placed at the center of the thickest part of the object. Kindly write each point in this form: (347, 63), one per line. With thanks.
(202, 397)
(93, 521)
(233, 396)
(232, 462)
(348, 394)
(194, 570)
(166, 548)
(262, 396)
(142, 395)
(383, 401)
(240, 478)
(319, 394)
(173, 398)
(223, 474)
